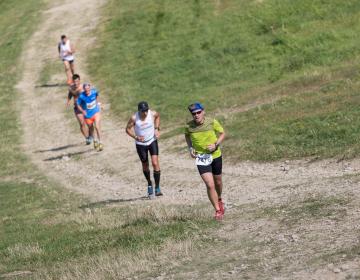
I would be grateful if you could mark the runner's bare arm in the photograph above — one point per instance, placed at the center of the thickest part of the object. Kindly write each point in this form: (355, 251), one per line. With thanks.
(98, 102)
(129, 127)
(189, 144)
(69, 99)
(213, 147)
(72, 49)
(59, 50)
(80, 109)
(157, 124)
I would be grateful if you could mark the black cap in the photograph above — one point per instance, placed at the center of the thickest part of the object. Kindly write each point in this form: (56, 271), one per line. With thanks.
(143, 106)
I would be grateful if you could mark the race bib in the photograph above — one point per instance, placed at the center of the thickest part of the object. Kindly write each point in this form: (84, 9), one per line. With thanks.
(91, 105)
(203, 159)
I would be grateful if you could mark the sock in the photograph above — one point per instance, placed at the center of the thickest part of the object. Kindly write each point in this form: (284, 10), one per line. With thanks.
(150, 190)
(157, 178)
(147, 176)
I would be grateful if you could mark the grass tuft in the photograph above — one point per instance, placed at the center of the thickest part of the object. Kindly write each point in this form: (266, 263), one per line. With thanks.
(308, 209)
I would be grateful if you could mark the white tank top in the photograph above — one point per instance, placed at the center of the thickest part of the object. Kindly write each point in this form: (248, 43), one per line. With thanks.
(145, 128)
(65, 48)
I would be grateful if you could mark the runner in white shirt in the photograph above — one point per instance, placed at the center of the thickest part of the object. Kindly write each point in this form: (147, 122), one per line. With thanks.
(66, 53)
(144, 127)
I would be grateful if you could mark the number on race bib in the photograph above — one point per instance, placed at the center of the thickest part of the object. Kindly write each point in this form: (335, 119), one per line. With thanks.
(91, 105)
(203, 159)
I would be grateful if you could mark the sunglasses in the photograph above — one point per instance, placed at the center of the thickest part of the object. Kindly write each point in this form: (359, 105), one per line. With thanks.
(196, 113)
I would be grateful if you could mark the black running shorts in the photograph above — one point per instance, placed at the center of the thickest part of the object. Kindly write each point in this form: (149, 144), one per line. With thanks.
(143, 150)
(215, 167)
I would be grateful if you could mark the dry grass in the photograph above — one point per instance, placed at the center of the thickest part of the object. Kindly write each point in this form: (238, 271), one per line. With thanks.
(143, 238)
(121, 264)
(114, 216)
(23, 251)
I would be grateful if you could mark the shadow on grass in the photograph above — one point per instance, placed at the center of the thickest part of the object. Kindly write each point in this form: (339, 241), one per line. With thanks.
(111, 201)
(51, 85)
(58, 148)
(68, 155)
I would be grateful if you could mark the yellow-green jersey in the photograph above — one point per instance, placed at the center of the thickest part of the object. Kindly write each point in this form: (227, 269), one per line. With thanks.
(203, 135)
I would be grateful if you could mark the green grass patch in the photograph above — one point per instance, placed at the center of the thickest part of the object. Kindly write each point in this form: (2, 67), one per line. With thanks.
(324, 125)
(233, 54)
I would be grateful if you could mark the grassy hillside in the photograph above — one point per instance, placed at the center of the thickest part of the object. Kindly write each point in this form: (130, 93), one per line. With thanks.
(47, 231)
(298, 57)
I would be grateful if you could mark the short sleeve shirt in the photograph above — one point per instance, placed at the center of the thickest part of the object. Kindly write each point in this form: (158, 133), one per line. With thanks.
(203, 135)
(89, 103)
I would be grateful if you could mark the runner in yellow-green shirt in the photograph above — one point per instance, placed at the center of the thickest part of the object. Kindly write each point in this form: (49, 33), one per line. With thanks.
(203, 137)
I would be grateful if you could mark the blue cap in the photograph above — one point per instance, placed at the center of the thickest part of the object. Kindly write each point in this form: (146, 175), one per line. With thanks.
(196, 106)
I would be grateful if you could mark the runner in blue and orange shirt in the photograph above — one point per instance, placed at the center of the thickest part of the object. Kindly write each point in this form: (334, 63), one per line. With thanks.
(88, 105)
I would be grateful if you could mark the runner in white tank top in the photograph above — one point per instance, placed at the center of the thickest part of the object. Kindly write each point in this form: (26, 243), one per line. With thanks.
(66, 53)
(144, 127)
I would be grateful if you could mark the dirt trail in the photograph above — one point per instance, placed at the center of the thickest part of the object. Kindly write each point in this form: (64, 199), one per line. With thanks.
(57, 148)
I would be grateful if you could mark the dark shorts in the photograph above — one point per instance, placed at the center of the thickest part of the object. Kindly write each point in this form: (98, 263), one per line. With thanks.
(143, 150)
(77, 111)
(215, 167)
(70, 61)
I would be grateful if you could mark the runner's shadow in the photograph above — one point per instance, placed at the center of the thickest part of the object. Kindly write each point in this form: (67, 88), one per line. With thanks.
(111, 201)
(58, 148)
(51, 85)
(66, 156)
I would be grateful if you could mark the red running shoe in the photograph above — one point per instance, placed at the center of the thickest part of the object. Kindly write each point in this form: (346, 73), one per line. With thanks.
(221, 206)
(218, 215)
